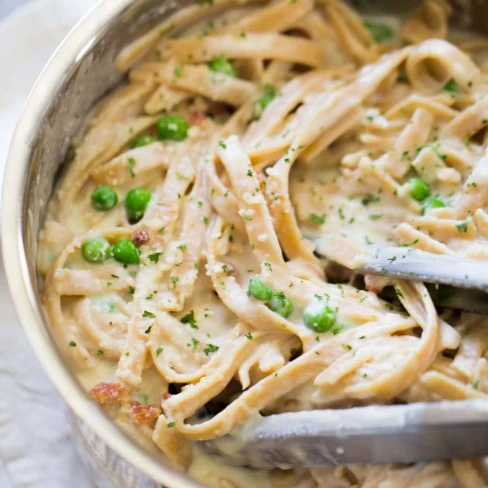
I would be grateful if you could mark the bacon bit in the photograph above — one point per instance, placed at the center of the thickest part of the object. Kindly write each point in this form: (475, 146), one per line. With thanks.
(140, 237)
(143, 414)
(107, 392)
(196, 117)
(165, 396)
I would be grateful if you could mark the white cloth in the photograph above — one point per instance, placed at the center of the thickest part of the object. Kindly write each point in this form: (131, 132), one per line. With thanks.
(35, 446)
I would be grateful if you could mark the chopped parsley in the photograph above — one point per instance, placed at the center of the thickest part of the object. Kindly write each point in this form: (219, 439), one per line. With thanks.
(317, 219)
(399, 293)
(406, 156)
(130, 166)
(337, 329)
(436, 149)
(463, 227)
(452, 87)
(154, 257)
(371, 198)
(190, 320)
(179, 70)
(406, 244)
(149, 315)
(181, 176)
(210, 348)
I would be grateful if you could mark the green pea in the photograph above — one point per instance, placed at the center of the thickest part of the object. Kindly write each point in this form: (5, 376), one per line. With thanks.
(96, 250)
(172, 128)
(419, 189)
(222, 65)
(126, 252)
(257, 289)
(265, 100)
(432, 202)
(136, 202)
(143, 140)
(281, 305)
(104, 198)
(319, 316)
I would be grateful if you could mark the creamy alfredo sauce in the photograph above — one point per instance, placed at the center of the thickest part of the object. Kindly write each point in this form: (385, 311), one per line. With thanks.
(178, 281)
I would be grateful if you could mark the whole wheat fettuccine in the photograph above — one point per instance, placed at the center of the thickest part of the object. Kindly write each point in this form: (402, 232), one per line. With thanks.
(180, 278)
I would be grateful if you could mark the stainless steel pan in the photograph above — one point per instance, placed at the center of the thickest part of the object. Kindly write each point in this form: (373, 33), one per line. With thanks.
(78, 74)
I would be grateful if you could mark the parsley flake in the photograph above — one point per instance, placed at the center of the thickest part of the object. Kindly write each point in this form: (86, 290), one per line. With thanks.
(154, 257)
(317, 219)
(130, 166)
(210, 348)
(452, 87)
(463, 227)
(190, 319)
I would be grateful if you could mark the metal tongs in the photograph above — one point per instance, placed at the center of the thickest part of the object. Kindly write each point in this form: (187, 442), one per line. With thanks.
(376, 434)
(464, 280)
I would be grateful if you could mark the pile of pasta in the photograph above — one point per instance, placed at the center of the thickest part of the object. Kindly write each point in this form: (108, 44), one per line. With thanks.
(352, 116)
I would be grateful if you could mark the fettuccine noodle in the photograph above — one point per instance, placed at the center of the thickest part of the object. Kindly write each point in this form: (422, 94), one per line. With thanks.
(199, 302)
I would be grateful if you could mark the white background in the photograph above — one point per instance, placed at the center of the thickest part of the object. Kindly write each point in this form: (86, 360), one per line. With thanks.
(35, 447)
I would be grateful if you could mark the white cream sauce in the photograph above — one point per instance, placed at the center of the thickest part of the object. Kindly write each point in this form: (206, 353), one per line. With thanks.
(332, 195)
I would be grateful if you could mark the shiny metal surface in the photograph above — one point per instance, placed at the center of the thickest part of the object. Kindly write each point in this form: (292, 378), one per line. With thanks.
(78, 74)
(408, 263)
(377, 434)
